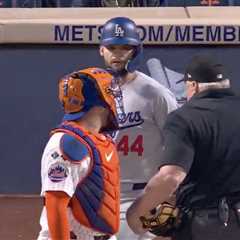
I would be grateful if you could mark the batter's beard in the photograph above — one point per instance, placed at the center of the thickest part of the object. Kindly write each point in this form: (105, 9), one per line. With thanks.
(117, 72)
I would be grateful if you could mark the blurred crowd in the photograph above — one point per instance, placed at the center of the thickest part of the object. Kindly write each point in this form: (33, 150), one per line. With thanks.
(115, 3)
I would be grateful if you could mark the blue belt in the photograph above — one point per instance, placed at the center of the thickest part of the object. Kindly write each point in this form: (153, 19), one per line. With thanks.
(139, 186)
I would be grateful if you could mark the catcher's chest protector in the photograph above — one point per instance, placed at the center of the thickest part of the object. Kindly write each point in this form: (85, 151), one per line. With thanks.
(96, 201)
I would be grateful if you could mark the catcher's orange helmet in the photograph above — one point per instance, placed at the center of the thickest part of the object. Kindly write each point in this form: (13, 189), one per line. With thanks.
(80, 91)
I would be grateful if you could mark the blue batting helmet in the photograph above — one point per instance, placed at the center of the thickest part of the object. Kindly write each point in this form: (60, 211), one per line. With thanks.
(122, 31)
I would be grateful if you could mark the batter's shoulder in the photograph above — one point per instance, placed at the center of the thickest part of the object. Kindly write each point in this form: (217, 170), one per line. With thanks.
(153, 86)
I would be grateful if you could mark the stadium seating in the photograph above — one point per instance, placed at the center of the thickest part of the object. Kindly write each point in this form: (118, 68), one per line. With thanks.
(97, 3)
(35, 3)
(207, 2)
(185, 3)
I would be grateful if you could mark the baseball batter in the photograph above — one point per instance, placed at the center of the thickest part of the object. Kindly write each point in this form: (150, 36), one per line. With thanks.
(146, 104)
(80, 167)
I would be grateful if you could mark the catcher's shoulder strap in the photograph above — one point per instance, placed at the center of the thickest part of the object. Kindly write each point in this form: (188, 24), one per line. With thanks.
(96, 201)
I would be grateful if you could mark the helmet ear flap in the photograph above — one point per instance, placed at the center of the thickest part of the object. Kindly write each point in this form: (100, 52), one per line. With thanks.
(135, 61)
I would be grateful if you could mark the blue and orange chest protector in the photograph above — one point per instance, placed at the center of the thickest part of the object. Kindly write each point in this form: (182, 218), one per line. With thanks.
(96, 201)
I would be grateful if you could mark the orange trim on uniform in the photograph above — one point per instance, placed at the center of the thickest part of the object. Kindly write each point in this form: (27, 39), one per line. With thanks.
(77, 210)
(56, 206)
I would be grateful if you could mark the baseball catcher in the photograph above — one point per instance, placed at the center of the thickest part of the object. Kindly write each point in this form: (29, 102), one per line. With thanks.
(80, 166)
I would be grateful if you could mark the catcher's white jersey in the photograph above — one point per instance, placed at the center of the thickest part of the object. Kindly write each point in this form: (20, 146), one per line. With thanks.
(146, 103)
(60, 175)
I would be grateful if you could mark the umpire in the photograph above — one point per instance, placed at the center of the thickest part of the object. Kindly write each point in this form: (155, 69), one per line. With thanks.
(201, 162)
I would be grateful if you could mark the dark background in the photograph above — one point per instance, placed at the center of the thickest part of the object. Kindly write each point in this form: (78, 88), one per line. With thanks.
(29, 104)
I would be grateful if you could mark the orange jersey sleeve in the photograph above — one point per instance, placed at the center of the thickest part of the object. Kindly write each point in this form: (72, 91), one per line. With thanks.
(56, 206)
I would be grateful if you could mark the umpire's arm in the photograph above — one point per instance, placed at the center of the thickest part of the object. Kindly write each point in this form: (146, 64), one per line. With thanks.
(158, 190)
(176, 160)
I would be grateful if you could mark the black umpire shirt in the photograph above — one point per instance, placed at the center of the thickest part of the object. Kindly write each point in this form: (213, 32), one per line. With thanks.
(203, 137)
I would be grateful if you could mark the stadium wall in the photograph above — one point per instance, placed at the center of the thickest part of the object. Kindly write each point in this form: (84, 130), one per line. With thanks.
(38, 46)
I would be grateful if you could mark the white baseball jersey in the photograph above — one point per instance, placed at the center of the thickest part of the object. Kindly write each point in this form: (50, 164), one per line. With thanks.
(146, 103)
(60, 175)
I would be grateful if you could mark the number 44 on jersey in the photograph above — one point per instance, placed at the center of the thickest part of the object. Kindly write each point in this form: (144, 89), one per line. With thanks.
(126, 147)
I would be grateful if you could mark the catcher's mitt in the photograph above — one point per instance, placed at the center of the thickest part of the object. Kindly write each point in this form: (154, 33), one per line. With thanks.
(164, 221)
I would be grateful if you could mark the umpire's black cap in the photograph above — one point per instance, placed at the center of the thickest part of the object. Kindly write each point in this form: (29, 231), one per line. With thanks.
(204, 69)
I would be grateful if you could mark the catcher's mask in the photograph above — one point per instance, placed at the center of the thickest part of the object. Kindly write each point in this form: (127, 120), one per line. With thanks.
(123, 31)
(82, 90)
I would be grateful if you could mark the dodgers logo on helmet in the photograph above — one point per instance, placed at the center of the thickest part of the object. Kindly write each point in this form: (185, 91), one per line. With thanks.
(119, 32)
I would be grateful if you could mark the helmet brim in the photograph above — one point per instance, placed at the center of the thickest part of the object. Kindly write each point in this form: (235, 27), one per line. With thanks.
(119, 41)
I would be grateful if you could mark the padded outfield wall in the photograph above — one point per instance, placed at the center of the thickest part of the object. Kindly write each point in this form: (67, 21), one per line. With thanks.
(38, 46)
